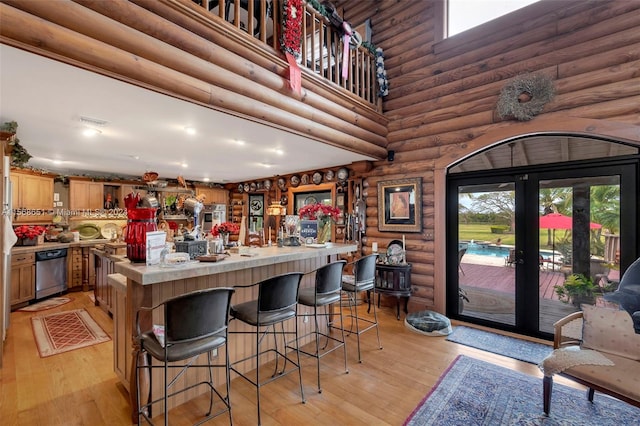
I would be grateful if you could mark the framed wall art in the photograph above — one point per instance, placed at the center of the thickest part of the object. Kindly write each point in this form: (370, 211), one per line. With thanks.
(400, 205)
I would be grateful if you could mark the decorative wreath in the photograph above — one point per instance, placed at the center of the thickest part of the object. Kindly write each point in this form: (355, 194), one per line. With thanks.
(525, 97)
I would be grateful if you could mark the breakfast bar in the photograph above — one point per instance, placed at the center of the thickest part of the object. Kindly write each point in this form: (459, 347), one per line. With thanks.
(137, 285)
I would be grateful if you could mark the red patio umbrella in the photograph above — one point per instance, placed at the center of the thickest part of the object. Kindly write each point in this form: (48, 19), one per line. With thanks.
(559, 221)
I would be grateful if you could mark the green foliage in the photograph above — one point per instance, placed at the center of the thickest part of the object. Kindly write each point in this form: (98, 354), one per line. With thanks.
(499, 229)
(19, 155)
(576, 288)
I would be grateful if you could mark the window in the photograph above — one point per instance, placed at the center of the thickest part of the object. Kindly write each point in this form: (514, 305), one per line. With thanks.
(466, 14)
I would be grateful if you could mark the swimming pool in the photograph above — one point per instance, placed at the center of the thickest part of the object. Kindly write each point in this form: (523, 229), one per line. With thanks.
(486, 249)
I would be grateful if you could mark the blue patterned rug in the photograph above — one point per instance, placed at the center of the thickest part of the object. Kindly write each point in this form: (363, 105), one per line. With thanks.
(474, 392)
(519, 349)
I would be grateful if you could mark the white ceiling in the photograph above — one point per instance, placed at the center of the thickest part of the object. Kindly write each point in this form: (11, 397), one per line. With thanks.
(48, 98)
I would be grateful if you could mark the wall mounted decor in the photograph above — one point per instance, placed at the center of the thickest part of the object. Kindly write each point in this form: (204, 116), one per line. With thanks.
(400, 205)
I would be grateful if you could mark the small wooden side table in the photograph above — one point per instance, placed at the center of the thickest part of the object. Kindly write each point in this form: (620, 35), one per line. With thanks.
(394, 280)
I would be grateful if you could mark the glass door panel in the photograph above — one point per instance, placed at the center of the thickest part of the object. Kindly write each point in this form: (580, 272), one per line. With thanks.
(579, 238)
(486, 252)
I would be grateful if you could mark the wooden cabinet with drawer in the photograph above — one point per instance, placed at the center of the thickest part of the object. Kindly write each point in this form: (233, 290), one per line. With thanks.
(23, 274)
(74, 272)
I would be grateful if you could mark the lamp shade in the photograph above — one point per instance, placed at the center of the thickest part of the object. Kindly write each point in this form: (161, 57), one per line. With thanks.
(276, 209)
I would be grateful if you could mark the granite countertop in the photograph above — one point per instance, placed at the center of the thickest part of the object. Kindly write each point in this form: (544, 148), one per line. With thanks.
(54, 246)
(143, 274)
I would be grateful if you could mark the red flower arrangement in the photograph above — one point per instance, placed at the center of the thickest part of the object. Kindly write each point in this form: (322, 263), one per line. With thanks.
(292, 11)
(29, 232)
(319, 211)
(225, 228)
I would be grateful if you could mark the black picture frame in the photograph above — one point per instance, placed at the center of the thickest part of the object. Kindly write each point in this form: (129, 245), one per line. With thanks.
(400, 205)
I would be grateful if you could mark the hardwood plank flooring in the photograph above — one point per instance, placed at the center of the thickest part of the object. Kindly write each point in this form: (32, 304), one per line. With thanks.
(80, 387)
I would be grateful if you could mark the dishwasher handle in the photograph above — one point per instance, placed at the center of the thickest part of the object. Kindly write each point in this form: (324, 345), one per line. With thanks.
(50, 254)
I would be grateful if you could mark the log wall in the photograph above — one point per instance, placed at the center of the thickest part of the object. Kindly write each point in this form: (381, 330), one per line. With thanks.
(443, 95)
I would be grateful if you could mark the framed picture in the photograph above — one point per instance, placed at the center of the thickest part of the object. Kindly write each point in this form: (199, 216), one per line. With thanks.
(400, 205)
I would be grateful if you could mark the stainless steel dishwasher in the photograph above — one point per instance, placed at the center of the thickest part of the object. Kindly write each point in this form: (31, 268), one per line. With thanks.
(51, 272)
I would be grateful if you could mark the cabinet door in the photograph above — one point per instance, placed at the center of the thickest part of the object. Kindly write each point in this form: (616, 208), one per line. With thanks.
(85, 195)
(214, 195)
(31, 194)
(23, 285)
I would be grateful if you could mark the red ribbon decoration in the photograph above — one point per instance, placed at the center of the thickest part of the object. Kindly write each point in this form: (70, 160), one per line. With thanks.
(295, 76)
(345, 49)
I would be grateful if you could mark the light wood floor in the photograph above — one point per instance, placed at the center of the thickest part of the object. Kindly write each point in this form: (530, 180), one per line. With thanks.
(80, 388)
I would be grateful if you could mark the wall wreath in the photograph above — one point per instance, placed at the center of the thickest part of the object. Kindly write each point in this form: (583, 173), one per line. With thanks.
(525, 96)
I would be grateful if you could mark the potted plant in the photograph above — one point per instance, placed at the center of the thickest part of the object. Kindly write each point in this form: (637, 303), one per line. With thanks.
(577, 289)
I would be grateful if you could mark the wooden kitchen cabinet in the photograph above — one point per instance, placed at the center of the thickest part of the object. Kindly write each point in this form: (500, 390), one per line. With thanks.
(85, 195)
(104, 266)
(214, 195)
(23, 275)
(32, 197)
(74, 271)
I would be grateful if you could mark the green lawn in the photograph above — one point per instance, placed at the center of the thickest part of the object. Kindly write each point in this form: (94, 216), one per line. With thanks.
(482, 232)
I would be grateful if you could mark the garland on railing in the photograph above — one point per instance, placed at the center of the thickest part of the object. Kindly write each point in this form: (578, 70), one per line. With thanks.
(381, 73)
(292, 11)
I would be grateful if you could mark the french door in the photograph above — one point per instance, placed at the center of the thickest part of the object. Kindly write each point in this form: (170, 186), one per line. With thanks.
(513, 236)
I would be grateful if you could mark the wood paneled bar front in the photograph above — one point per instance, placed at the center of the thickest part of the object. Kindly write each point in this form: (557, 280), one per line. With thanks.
(150, 285)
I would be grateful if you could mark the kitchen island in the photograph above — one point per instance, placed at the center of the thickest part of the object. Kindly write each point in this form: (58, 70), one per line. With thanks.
(138, 285)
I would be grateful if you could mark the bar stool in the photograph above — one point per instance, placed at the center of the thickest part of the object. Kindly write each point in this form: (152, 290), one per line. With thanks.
(325, 292)
(276, 303)
(363, 279)
(194, 323)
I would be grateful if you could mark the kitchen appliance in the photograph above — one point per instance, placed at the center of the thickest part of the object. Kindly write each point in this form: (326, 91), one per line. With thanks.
(7, 240)
(51, 272)
(214, 214)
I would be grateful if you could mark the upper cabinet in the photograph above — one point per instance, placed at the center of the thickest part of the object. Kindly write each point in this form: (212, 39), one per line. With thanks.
(85, 195)
(213, 195)
(32, 197)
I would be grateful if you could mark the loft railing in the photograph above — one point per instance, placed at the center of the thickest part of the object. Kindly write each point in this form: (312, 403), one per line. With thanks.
(321, 45)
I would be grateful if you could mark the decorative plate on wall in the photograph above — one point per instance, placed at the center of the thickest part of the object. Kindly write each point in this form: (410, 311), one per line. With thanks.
(246, 187)
(240, 188)
(282, 184)
(304, 179)
(343, 174)
(267, 184)
(252, 187)
(295, 180)
(317, 178)
(328, 176)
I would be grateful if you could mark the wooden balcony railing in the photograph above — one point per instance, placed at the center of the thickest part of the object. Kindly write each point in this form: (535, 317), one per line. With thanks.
(321, 45)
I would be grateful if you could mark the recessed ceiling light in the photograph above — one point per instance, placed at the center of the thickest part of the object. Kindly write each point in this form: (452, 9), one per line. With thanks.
(278, 151)
(267, 165)
(184, 165)
(190, 130)
(135, 157)
(57, 161)
(239, 142)
(90, 132)
(206, 179)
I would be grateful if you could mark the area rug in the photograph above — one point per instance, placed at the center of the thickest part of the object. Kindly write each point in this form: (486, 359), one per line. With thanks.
(66, 331)
(474, 392)
(519, 349)
(51, 303)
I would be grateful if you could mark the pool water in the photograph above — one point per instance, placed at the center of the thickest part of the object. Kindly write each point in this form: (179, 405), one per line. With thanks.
(493, 250)
(488, 250)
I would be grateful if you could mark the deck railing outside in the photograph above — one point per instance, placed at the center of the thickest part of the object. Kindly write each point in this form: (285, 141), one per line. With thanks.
(321, 45)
